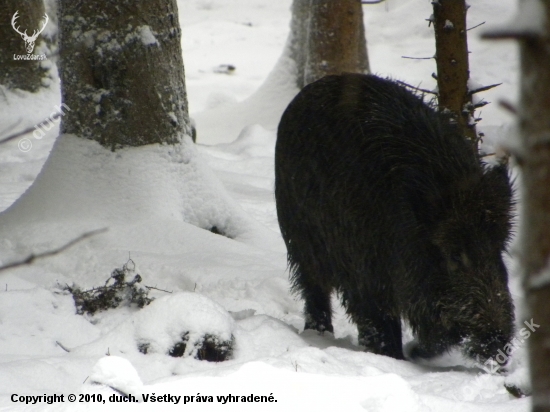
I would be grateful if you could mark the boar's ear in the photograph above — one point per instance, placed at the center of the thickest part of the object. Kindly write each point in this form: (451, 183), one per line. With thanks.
(496, 197)
(497, 180)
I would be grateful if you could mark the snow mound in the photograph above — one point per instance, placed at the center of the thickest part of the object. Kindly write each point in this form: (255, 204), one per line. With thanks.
(147, 184)
(163, 323)
(117, 373)
(264, 107)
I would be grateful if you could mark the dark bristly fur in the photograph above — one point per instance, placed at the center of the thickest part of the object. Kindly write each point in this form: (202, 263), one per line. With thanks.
(380, 198)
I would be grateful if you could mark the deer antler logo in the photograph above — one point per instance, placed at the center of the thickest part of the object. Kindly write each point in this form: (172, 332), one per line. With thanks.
(29, 40)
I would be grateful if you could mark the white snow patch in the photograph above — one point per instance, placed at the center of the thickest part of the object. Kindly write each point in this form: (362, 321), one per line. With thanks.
(147, 36)
(117, 373)
(529, 19)
(172, 117)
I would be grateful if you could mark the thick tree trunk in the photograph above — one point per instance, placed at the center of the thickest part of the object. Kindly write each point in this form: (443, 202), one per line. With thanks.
(327, 37)
(535, 161)
(122, 72)
(452, 63)
(15, 72)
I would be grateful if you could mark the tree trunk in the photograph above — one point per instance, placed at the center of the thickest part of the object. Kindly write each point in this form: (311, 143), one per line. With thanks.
(327, 37)
(298, 37)
(121, 70)
(16, 73)
(452, 63)
(534, 124)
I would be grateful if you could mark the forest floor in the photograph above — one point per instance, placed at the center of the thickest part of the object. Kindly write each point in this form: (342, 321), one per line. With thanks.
(231, 285)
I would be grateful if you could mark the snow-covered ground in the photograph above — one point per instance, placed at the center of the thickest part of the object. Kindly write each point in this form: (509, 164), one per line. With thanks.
(156, 204)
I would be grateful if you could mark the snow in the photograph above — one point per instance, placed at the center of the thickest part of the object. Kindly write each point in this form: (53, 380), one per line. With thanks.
(449, 24)
(117, 373)
(163, 323)
(540, 279)
(156, 202)
(147, 36)
(529, 20)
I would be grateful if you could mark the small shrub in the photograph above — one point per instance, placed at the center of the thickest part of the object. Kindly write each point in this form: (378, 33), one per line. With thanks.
(116, 291)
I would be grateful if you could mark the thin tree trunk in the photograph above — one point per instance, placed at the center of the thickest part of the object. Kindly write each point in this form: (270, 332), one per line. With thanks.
(122, 72)
(534, 123)
(298, 37)
(328, 37)
(15, 73)
(452, 63)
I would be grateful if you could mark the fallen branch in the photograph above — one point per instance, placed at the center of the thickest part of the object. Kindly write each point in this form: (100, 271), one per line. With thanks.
(27, 130)
(61, 346)
(32, 257)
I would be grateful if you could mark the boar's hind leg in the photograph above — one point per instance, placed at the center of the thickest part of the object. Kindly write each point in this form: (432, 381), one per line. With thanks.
(317, 309)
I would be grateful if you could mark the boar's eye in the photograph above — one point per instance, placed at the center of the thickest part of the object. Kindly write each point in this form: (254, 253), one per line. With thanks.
(458, 260)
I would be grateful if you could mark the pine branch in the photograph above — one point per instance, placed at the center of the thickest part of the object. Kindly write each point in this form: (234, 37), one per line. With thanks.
(483, 89)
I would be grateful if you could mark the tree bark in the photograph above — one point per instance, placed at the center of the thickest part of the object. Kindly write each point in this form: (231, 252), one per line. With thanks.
(452, 64)
(122, 73)
(327, 37)
(298, 38)
(26, 75)
(534, 122)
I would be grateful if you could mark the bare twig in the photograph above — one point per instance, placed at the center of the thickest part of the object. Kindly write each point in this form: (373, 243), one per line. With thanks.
(417, 88)
(16, 135)
(32, 257)
(62, 347)
(476, 26)
(506, 105)
(417, 58)
(160, 290)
